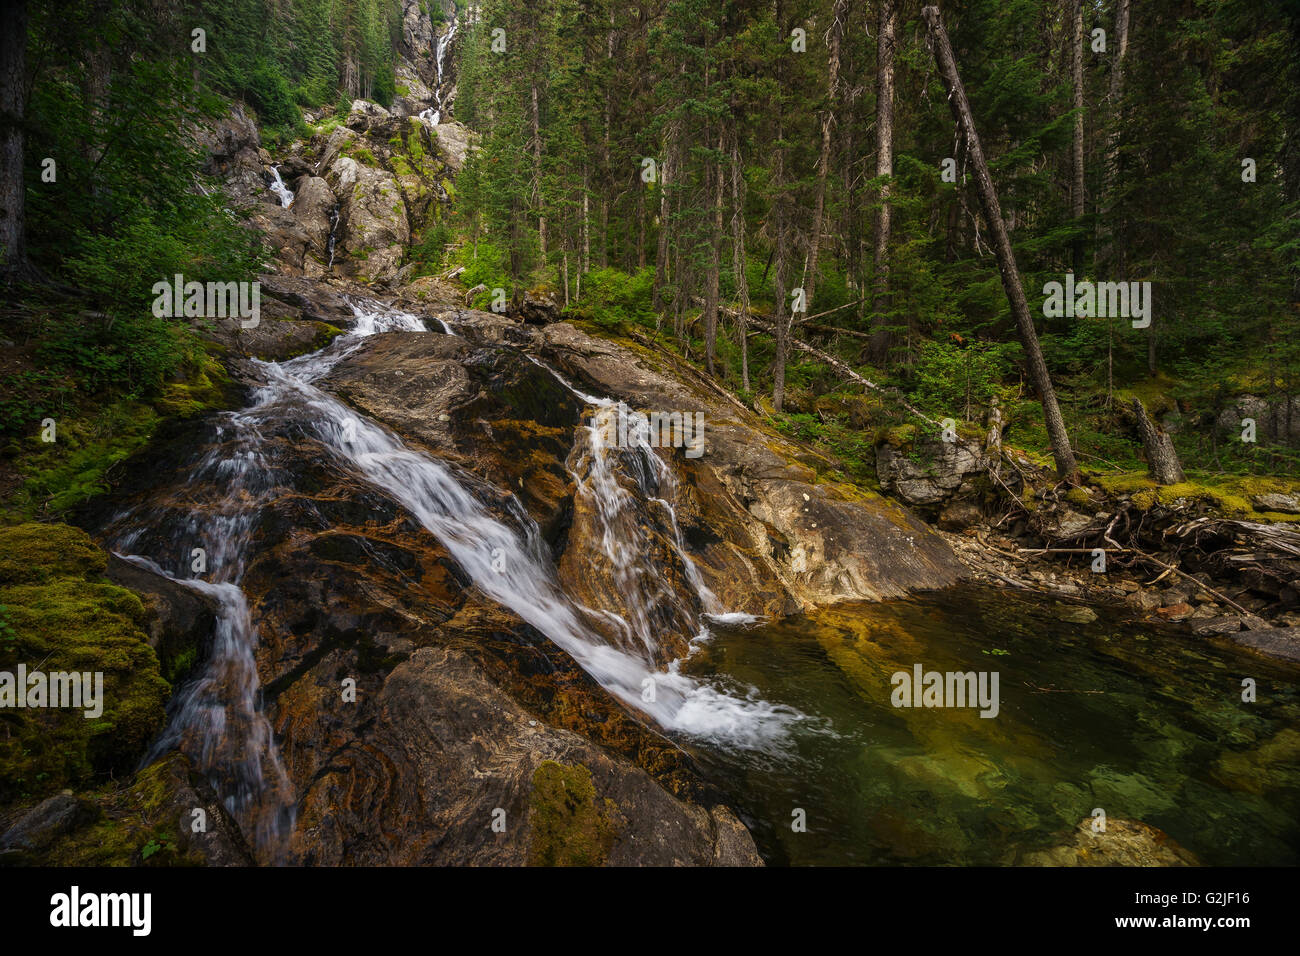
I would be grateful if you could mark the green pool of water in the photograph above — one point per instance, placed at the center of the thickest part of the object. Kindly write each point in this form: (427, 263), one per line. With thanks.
(1147, 724)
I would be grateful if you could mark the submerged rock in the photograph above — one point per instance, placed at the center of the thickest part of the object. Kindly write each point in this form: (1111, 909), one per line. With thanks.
(1124, 843)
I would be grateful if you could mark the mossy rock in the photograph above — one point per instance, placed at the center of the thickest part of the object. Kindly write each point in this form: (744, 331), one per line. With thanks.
(567, 825)
(59, 614)
(32, 553)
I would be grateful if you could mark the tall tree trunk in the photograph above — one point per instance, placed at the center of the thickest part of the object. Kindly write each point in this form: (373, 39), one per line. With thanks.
(1076, 184)
(1115, 94)
(780, 321)
(605, 160)
(1066, 465)
(537, 173)
(661, 253)
(738, 258)
(585, 265)
(715, 264)
(838, 14)
(879, 348)
(1112, 253)
(13, 113)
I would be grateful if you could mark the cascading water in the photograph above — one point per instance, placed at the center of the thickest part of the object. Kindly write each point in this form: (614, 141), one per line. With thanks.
(329, 246)
(216, 719)
(280, 189)
(433, 115)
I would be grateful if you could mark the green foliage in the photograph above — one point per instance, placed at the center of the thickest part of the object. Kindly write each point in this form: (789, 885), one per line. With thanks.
(612, 298)
(269, 93)
(957, 380)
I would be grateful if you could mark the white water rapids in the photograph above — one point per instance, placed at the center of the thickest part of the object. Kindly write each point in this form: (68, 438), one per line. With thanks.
(217, 718)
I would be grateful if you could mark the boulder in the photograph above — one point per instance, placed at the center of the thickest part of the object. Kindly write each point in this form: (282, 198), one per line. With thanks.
(930, 472)
(313, 204)
(1279, 642)
(231, 146)
(1277, 420)
(44, 824)
(180, 618)
(539, 307)
(373, 239)
(455, 140)
(1279, 503)
(1123, 843)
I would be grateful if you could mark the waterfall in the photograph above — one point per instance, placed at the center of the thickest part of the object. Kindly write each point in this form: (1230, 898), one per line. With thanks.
(216, 718)
(433, 115)
(329, 246)
(280, 189)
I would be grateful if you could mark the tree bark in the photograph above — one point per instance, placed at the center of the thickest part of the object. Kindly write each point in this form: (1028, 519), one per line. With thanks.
(1116, 92)
(715, 264)
(1076, 185)
(838, 14)
(1162, 459)
(537, 173)
(738, 256)
(879, 348)
(13, 112)
(1066, 465)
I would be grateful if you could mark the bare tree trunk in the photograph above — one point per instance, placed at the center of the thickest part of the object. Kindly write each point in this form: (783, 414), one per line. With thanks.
(781, 323)
(609, 178)
(779, 253)
(715, 265)
(13, 111)
(1066, 465)
(879, 349)
(838, 14)
(1076, 185)
(1111, 170)
(1162, 459)
(1112, 254)
(537, 174)
(738, 256)
(661, 254)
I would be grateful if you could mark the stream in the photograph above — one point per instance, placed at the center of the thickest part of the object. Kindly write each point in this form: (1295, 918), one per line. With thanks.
(783, 715)
(1146, 724)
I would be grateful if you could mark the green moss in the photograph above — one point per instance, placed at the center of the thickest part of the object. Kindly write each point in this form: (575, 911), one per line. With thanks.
(1078, 496)
(899, 436)
(138, 826)
(566, 824)
(1229, 496)
(62, 474)
(60, 616)
(361, 154)
(33, 553)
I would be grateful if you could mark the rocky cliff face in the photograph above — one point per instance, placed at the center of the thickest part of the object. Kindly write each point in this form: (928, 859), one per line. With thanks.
(365, 184)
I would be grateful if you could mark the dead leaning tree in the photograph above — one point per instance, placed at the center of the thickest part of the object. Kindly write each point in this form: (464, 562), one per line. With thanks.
(1066, 465)
(1162, 459)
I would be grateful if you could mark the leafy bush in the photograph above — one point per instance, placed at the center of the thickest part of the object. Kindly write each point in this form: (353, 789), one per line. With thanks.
(954, 380)
(611, 297)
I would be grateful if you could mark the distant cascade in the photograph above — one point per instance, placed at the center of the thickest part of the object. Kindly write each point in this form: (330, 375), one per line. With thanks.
(280, 189)
(433, 115)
